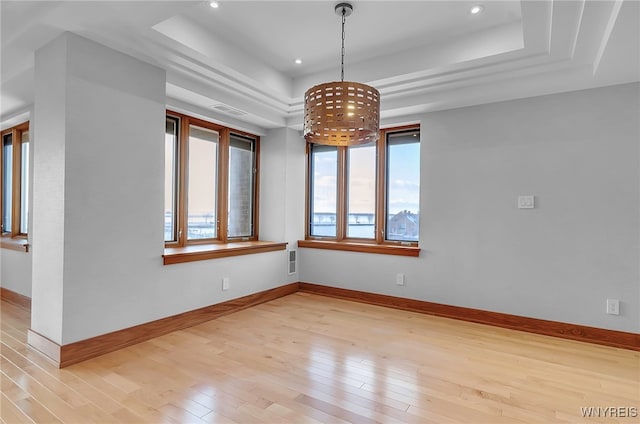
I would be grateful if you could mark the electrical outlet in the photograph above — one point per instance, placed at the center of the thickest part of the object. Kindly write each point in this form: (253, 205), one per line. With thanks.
(400, 279)
(613, 307)
(225, 283)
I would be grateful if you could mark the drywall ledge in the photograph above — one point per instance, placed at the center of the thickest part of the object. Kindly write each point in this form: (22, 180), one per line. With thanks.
(384, 249)
(201, 252)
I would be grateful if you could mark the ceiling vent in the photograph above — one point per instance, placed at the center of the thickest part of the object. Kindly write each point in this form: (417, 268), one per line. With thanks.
(221, 107)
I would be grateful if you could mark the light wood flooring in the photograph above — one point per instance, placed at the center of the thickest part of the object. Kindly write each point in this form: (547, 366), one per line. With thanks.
(311, 359)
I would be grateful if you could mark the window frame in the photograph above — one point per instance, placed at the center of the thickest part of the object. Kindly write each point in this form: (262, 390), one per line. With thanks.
(14, 238)
(310, 192)
(378, 244)
(222, 175)
(254, 184)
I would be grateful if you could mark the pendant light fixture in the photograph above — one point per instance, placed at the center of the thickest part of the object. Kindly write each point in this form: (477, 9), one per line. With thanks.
(341, 113)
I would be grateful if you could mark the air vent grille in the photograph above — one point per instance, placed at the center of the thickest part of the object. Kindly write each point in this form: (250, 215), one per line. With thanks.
(292, 261)
(229, 110)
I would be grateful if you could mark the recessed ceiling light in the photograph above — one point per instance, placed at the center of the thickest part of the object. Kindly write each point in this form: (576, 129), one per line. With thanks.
(214, 4)
(476, 9)
(298, 61)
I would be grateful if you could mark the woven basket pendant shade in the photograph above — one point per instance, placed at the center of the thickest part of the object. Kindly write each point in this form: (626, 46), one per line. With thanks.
(341, 113)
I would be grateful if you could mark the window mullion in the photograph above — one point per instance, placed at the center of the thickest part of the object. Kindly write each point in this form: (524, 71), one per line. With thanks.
(341, 218)
(308, 191)
(256, 189)
(223, 186)
(183, 161)
(15, 189)
(381, 182)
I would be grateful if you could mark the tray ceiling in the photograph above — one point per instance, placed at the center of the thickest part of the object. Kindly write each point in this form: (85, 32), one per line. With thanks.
(235, 64)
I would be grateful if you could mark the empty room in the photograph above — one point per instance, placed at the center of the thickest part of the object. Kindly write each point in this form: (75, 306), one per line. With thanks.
(369, 211)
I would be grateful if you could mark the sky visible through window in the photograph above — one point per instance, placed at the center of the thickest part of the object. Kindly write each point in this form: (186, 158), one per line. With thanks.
(404, 178)
(325, 180)
(202, 183)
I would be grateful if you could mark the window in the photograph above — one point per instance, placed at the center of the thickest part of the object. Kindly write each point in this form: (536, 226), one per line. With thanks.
(324, 190)
(211, 191)
(171, 179)
(210, 183)
(402, 207)
(361, 191)
(242, 186)
(14, 175)
(202, 184)
(366, 195)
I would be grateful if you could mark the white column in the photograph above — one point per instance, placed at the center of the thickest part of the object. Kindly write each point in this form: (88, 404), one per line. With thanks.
(97, 184)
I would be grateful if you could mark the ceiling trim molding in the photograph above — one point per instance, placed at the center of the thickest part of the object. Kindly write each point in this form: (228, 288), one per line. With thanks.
(607, 34)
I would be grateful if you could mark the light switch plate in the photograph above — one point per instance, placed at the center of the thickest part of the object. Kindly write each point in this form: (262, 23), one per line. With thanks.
(526, 202)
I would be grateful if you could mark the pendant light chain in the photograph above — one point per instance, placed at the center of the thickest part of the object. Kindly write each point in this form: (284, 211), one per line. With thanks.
(344, 18)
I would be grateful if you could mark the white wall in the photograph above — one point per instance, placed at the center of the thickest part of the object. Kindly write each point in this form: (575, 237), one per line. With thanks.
(109, 152)
(48, 183)
(282, 186)
(15, 271)
(578, 154)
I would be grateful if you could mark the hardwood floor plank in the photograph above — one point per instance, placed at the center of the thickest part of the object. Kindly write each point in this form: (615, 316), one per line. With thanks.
(285, 397)
(334, 410)
(32, 408)
(179, 414)
(10, 413)
(72, 390)
(36, 390)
